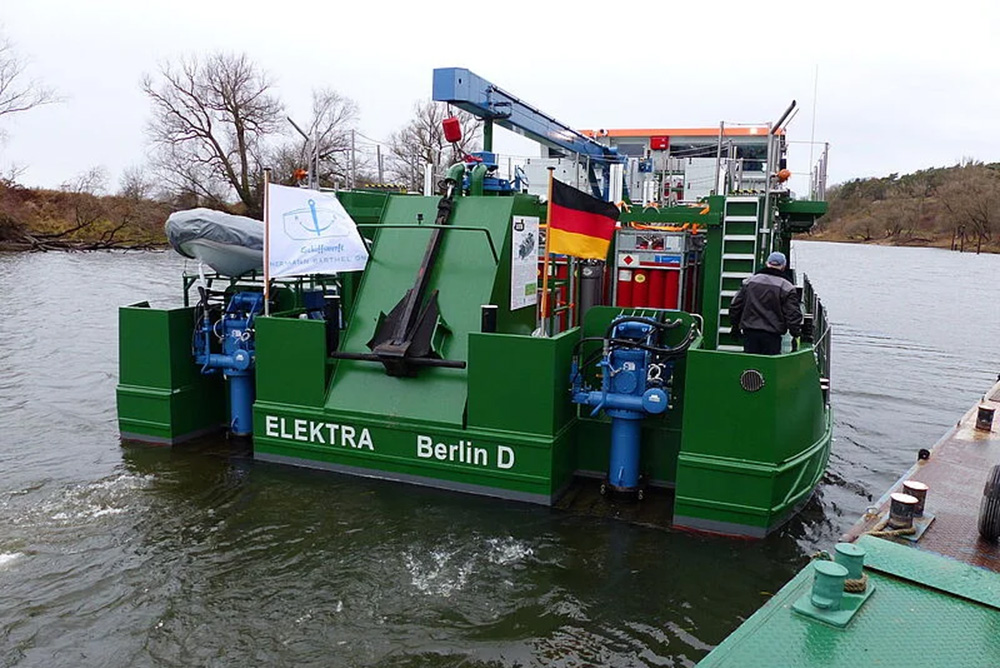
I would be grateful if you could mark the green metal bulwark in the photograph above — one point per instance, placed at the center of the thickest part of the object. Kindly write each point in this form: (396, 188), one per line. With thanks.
(517, 444)
(748, 457)
(520, 384)
(291, 361)
(162, 395)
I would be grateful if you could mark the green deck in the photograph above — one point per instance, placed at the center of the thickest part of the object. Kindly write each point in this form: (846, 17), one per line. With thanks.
(926, 610)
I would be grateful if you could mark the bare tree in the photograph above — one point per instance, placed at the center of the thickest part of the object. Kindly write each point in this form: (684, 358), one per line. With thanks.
(973, 201)
(93, 181)
(10, 174)
(17, 92)
(135, 183)
(333, 118)
(210, 121)
(863, 228)
(86, 189)
(422, 141)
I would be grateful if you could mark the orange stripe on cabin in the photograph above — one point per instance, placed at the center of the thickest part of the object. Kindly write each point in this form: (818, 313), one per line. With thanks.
(735, 131)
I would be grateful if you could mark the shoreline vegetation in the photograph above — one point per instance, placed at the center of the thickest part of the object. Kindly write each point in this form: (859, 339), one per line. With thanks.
(956, 208)
(72, 219)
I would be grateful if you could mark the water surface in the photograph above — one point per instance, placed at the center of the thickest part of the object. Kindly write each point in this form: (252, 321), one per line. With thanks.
(197, 555)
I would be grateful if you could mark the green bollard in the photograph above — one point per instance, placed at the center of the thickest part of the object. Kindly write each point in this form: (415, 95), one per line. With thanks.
(851, 557)
(828, 585)
(827, 601)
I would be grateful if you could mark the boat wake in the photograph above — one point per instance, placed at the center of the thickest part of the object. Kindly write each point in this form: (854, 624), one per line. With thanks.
(444, 572)
(7, 558)
(85, 502)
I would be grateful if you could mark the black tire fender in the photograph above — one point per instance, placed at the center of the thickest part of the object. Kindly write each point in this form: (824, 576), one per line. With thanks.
(989, 508)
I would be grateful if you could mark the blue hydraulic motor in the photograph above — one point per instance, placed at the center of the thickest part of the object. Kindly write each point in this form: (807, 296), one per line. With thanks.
(234, 332)
(635, 374)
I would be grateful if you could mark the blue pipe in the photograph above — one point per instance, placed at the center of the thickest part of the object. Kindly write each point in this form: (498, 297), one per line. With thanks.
(241, 393)
(623, 463)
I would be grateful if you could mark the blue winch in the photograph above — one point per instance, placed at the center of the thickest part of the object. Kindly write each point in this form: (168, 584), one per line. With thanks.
(234, 335)
(636, 369)
(482, 175)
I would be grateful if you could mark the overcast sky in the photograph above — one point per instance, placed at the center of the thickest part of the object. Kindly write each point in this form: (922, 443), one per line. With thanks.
(901, 85)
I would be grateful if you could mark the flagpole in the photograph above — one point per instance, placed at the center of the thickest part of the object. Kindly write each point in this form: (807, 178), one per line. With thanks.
(545, 261)
(267, 254)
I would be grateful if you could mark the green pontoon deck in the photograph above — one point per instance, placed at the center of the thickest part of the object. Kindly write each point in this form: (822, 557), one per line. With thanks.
(925, 586)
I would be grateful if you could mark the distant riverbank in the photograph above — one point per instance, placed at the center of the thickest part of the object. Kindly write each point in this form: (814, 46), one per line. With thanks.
(946, 243)
(37, 220)
(942, 207)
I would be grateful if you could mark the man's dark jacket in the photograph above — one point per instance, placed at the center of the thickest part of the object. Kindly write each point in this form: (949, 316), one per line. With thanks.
(766, 302)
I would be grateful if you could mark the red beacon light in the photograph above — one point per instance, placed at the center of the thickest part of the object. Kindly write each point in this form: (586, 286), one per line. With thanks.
(452, 129)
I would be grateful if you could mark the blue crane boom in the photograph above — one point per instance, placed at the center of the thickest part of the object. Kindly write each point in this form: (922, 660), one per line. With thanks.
(470, 92)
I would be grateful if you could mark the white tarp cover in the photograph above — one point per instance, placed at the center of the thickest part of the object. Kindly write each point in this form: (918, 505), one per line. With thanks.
(231, 245)
(310, 232)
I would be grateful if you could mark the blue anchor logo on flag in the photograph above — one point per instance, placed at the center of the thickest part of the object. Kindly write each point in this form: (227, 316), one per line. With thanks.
(312, 223)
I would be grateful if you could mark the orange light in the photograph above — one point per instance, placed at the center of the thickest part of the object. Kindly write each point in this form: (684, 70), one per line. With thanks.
(784, 175)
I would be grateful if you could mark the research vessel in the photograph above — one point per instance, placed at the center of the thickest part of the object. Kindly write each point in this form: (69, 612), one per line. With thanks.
(465, 357)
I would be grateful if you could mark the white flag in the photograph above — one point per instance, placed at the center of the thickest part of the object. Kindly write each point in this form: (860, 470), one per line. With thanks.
(310, 232)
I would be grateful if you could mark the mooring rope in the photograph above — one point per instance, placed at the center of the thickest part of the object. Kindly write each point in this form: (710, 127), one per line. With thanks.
(879, 530)
(858, 586)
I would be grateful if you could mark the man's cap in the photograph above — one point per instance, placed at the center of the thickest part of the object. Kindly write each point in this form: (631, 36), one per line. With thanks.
(777, 260)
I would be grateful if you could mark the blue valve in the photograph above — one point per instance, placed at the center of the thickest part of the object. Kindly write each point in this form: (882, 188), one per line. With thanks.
(236, 361)
(633, 387)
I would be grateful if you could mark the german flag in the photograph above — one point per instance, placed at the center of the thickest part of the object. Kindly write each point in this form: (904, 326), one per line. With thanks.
(579, 225)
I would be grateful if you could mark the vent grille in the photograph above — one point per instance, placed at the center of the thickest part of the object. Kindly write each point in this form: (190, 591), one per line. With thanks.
(751, 380)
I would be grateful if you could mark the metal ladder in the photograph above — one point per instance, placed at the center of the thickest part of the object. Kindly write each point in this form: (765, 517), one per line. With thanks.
(740, 245)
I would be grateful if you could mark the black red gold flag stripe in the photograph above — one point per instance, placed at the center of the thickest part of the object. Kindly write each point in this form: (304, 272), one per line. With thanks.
(579, 224)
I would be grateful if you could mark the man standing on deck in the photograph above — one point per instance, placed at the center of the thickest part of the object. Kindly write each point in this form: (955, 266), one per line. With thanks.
(765, 308)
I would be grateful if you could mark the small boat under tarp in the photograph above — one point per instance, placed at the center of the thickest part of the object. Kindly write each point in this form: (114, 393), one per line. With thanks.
(231, 245)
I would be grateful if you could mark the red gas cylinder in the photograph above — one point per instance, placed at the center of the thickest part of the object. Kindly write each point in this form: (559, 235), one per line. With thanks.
(671, 289)
(640, 291)
(656, 280)
(562, 269)
(624, 288)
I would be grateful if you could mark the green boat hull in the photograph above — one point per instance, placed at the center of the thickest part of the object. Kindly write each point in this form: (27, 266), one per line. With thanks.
(740, 461)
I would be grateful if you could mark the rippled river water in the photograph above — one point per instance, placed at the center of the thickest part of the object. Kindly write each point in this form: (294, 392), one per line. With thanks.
(144, 556)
